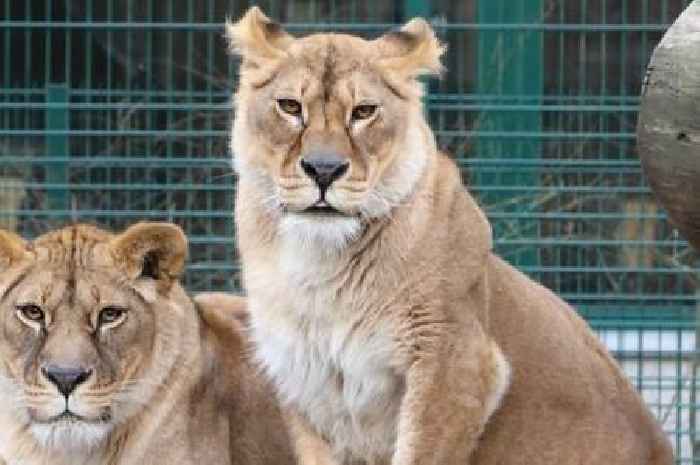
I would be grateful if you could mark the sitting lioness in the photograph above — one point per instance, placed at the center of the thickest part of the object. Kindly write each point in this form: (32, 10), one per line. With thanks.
(392, 332)
(106, 361)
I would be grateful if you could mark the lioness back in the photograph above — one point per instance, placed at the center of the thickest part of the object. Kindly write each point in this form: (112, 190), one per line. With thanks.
(257, 431)
(567, 396)
(104, 359)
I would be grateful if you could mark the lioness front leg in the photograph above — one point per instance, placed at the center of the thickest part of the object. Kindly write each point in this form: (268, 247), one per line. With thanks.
(310, 448)
(450, 394)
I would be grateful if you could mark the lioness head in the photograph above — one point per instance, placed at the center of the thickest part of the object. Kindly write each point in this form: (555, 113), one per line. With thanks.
(331, 126)
(89, 323)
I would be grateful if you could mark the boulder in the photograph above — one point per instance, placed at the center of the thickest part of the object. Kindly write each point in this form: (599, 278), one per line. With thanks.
(669, 123)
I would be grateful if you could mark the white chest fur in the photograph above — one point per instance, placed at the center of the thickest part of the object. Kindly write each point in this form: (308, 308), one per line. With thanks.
(17, 448)
(330, 367)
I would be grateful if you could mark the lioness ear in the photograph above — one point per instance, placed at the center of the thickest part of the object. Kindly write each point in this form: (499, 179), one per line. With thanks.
(257, 38)
(151, 250)
(414, 50)
(12, 249)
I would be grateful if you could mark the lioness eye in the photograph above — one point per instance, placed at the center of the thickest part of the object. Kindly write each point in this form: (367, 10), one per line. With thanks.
(363, 111)
(289, 106)
(31, 312)
(111, 315)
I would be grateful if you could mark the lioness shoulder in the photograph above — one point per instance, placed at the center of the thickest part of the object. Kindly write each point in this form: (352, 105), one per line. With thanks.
(105, 360)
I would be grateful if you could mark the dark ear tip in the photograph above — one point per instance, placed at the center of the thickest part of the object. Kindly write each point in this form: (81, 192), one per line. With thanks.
(413, 33)
(160, 232)
(155, 250)
(401, 36)
(256, 13)
(273, 28)
(418, 26)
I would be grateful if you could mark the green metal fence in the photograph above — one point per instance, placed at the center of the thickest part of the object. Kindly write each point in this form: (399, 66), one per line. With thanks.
(113, 111)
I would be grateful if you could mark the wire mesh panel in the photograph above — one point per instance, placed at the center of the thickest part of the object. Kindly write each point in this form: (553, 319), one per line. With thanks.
(115, 111)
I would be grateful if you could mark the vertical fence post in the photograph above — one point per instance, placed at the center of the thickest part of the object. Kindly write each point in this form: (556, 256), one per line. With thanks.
(510, 72)
(57, 146)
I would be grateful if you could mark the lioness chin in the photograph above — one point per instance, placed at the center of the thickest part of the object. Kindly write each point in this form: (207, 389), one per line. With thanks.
(393, 334)
(105, 360)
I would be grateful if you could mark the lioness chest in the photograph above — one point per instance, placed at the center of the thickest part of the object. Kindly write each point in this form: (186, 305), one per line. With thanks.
(328, 365)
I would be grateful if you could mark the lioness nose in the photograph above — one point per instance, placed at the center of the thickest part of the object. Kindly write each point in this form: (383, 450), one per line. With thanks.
(324, 169)
(66, 379)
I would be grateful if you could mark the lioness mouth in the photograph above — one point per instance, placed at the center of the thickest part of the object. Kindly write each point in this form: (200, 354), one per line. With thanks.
(69, 417)
(322, 210)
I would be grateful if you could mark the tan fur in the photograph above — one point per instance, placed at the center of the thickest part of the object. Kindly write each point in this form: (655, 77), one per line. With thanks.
(392, 332)
(212, 303)
(171, 384)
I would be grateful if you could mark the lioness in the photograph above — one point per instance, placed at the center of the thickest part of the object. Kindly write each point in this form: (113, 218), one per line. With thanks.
(392, 332)
(105, 359)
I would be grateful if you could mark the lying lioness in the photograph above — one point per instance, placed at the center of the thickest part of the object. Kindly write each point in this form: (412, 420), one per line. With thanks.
(392, 332)
(105, 360)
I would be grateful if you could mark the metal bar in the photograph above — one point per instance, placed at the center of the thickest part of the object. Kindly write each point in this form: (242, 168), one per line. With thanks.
(57, 144)
(96, 159)
(209, 106)
(320, 26)
(169, 134)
